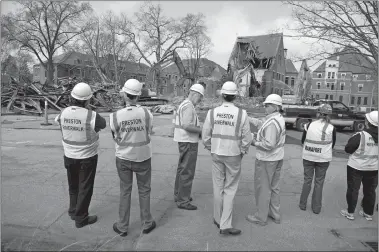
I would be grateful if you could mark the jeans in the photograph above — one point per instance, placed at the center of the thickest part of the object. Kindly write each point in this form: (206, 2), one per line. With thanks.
(266, 185)
(81, 178)
(125, 169)
(369, 180)
(318, 169)
(185, 172)
(226, 174)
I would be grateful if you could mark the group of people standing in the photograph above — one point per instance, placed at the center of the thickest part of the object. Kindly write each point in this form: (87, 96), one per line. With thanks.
(226, 134)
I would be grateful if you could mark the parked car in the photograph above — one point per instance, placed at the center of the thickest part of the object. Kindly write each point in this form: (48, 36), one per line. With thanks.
(342, 117)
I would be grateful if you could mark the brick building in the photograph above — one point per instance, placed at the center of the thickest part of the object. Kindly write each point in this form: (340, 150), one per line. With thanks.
(346, 77)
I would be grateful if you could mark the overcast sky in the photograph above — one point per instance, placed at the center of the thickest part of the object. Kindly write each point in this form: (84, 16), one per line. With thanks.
(225, 21)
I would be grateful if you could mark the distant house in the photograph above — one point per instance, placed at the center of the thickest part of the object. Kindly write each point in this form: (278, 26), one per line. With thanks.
(346, 77)
(77, 64)
(208, 69)
(291, 74)
(265, 54)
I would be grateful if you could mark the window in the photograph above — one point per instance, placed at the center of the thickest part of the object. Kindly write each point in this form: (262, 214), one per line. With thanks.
(331, 97)
(339, 106)
(286, 80)
(317, 96)
(292, 82)
(318, 85)
(332, 86)
(328, 85)
(355, 76)
(330, 65)
(341, 98)
(373, 102)
(319, 75)
(359, 100)
(343, 75)
(342, 85)
(360, 87)
(329, 74)
(334, 65)
(352, 100)
(365, 101)
(169, 76)
(326, 96)
(333, 75)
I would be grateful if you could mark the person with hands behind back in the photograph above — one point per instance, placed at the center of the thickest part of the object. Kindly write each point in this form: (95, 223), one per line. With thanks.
(269, 144)
(226, 134)
(187, 133)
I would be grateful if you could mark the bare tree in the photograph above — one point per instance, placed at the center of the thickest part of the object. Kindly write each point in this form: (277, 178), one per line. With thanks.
(42, 27)
(348, 25)
(155, 35)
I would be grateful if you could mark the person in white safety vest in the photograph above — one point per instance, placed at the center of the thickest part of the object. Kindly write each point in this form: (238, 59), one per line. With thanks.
(131, 130)
(80, 138)
(187, 133)
(362, 167)
(318, 141)
(269, 142)
(226, 134)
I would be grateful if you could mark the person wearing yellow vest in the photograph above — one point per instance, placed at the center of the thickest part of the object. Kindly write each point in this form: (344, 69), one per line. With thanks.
(269, 144)
(318, 141)
(131, 129)
(80, 138)
(226, 134)
(362, 167)
(187, 133)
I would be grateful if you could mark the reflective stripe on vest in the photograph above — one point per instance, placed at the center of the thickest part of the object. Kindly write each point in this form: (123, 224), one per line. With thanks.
(128, 144)
(360, 153)
(236, 135)
(179, 124)
(280, 133)
(87, 130)
(323, 135)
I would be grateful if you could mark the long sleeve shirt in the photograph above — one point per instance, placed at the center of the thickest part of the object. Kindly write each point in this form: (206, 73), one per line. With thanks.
(270, 140)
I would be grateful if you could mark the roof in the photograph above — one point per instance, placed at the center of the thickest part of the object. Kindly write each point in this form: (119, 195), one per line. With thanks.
(267, 45)
(349, 61)
(66, 58)
(290, 68)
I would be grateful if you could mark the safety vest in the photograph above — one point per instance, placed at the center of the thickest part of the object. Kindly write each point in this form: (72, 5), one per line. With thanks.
(278, 152)
(318, 143)
(79, 138)
(365, 158)
(181, 135)
(226, 126)
(131, 127)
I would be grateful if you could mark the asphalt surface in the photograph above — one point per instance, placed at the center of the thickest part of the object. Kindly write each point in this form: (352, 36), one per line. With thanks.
(35, 200)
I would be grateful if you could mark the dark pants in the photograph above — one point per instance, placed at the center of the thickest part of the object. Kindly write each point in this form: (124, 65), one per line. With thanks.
(125, 171)
(81, 177)
(369, 180)
(185, 172)
(318, 169)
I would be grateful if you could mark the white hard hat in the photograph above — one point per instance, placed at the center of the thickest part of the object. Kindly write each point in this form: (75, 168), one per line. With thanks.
(273, 99)
(82, 91)
(372, 117)
(198, 88)
(132, 86)
(229, 88)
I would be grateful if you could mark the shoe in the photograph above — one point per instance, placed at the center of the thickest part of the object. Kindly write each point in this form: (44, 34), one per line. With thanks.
(148, 230)
(87, 221)
(346, 214)
(253, 219)
(190, 199)
(315, 212)
(72, 217)
(188, 207)
(302, 208)
(215, 222)
(123, 234)
(274, 220)
(230, 231)
(368, 217)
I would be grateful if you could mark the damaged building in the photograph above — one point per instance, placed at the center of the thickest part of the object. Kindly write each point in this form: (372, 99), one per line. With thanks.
(258, 65)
